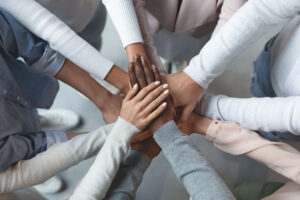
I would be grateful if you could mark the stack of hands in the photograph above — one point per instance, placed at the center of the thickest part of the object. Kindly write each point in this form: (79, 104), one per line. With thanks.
(149, 105)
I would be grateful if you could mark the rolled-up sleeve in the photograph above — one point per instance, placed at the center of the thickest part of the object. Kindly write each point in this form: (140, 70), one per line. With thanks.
(18, 147)
(50, 62)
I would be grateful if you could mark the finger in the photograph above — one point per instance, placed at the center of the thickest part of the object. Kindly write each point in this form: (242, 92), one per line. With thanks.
(132, 92)
(151, 96)
(155, 102)
(156, 73)
(132, 76)
(149, 74)
(157, 112)
(144, 92)
(139, 72)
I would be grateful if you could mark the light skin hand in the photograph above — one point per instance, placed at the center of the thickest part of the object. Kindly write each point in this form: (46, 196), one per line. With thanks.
(185, 93)
(141, 108)
(138, 75)
(80, 80)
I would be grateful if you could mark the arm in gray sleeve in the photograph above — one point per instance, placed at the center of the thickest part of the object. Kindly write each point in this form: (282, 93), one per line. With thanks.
(18, 147)
(129, 177)
(191, 168)
(35, 51)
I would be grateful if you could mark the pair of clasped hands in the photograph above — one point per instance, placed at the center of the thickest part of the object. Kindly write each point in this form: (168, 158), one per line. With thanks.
(147, 105)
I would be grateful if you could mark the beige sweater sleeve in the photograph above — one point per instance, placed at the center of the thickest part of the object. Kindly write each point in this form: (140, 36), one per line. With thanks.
(228, 9)
(235, 140)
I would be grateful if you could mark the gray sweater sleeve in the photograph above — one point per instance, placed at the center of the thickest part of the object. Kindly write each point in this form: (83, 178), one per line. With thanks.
(191, 168)
(129, 177)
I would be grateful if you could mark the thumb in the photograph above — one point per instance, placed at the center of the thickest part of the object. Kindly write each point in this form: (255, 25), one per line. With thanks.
(186, 112)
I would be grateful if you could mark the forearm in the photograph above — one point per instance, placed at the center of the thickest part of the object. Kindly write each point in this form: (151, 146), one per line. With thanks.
(124, 18)
(84, 83)
(60, 37)
(265, 114)
(129, 177)
(233, 139)
(97, 181)
(190, 168)
(249, 23)
(49, 163)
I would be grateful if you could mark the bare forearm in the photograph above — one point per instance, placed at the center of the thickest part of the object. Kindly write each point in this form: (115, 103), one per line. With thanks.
(84, 83)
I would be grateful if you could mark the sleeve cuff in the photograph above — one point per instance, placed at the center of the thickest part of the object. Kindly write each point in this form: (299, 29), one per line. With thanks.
(54, 137)
(197, 76)
(138, 159)
(167, 134)
(50, 63)
(123, 130)
(123, 15)
(212, 130)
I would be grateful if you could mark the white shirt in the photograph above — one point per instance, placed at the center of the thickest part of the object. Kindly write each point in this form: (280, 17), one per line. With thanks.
(285, 60)
(254, 19)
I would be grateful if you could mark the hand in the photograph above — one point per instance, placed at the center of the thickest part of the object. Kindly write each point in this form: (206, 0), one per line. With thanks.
(148, 146)
(185, 93)
(141, 73)
(195, 124)
(140, 109)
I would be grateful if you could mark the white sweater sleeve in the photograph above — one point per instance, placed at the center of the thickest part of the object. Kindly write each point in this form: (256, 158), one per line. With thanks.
(254, 19)
(98, 179)
(60, 37)
(56, 159)
(125, 20)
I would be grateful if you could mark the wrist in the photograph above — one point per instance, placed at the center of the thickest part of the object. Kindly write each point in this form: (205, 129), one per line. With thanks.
(119, 78)
(133, 49)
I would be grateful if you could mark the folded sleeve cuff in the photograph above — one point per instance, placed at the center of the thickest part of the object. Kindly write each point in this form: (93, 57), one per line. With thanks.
(212, 130)
(125, 20)
(167, 134)
(50, 63)
(55, 137)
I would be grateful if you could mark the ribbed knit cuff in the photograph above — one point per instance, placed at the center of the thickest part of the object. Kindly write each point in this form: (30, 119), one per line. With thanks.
(167, 134)
(123, 130)
(125, 21)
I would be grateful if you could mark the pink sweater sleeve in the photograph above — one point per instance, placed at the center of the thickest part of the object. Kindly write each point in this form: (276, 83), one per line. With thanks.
(235, 140)
(289, 191)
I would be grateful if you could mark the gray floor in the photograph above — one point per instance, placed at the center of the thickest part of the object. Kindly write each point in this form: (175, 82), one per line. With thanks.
(160, 182)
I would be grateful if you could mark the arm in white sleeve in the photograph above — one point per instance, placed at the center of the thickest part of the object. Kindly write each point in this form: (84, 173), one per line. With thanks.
(56, 159)
(254, 19)
(124, 18)
(236, 140)
(98, 179)
(60, 37)
(281, 114)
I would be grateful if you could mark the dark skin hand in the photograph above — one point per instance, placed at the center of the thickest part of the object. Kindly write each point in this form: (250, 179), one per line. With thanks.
(142, 73)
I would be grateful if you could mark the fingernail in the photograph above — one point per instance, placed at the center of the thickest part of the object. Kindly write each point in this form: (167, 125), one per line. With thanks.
(165, 86)
(157, 83)
(166, 92)
(135, 86)
(164, 104)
